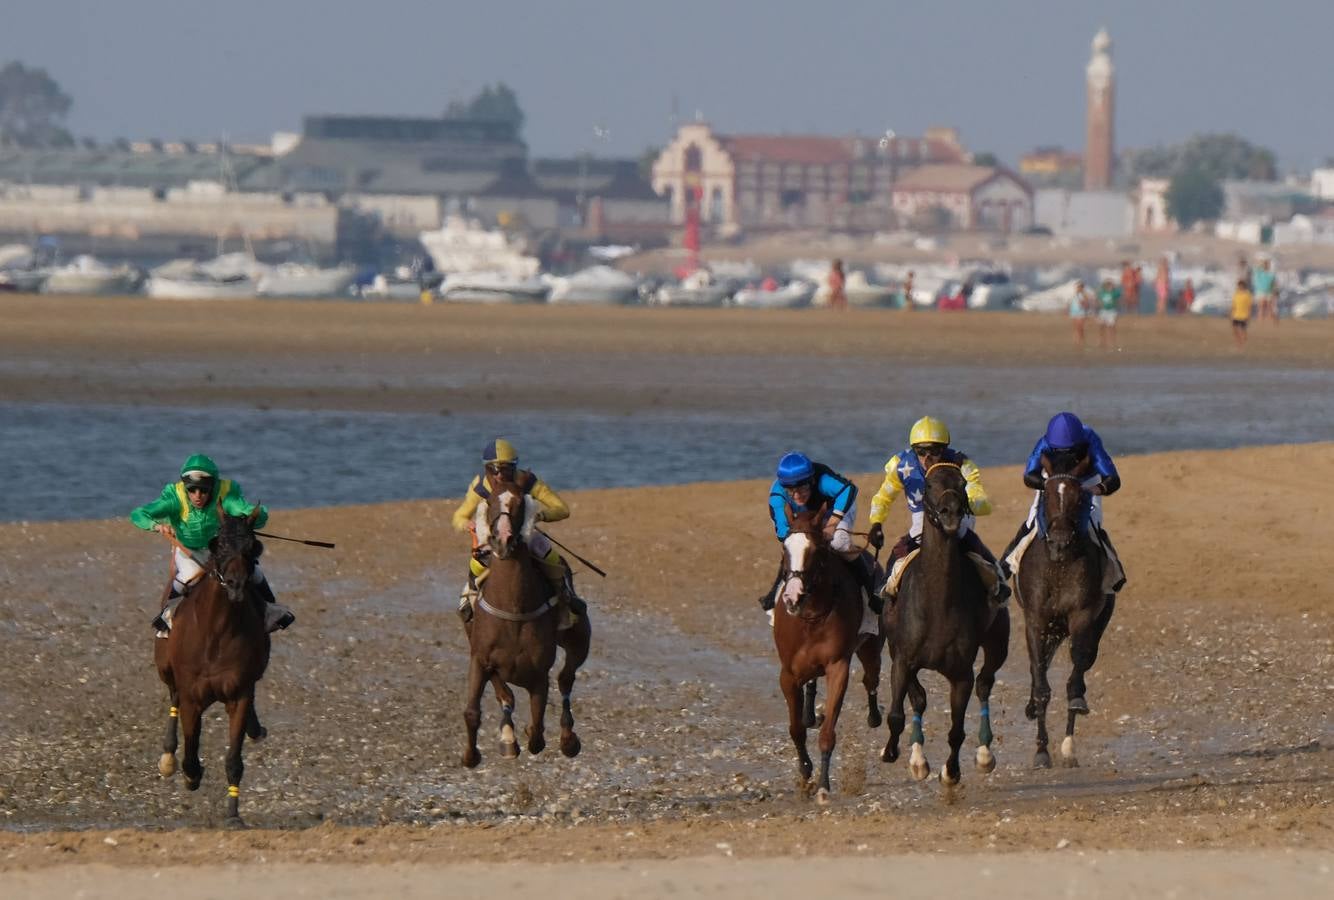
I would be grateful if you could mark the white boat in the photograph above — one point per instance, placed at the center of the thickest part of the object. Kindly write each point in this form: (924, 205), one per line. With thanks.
(596, 286)
(465, 245)
(88, 275)
(1051, 300)
(390, 287)
(1211, 300)
(697, 289)
(993, 289)
(863, 293)
(492, 287)
(1316, 304)
(200, 287)
(793, 295)
(296, 280)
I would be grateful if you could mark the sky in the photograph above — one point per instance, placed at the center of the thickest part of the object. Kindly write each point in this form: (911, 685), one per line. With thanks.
(611, 77)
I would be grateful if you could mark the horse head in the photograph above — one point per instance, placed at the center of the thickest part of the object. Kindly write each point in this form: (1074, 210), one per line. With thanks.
(509, 520)
(1063, 502)
(945, 499)
(800, 556)
(235, 550)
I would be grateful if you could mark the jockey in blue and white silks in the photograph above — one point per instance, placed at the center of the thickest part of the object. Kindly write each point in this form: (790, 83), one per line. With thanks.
(1067, 434)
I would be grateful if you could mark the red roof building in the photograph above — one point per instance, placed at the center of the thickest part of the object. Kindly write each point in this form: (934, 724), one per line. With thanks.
(964, 196)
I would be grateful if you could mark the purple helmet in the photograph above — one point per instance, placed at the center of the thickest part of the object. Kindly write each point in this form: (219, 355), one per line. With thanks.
(1065, 431)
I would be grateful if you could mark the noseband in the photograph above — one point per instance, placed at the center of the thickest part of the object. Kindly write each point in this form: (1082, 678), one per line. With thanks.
(929, 507)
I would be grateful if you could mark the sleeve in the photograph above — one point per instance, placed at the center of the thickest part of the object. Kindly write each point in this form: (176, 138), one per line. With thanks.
(1033, 471)
(977, 494)
(156, 511)
(463, 515)
(553, 507)
(777, 509)
(843, 492)
(889, 491)
(235, 504)
(1102, 463)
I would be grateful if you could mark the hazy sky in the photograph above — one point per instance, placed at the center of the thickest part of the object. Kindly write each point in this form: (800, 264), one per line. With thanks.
(1008, 73)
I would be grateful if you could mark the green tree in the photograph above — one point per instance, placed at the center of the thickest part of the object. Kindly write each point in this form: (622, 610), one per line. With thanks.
(985, 158)
(32, 108)
(1220, 155)
(494, 103)
(1194, 196)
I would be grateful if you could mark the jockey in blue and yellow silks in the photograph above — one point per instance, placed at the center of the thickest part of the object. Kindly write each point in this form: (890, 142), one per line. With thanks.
(501, 462)
(905, 475)
(803, 485)
(1067, 434)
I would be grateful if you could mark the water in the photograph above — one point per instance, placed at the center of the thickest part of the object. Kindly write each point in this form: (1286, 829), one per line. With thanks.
(66, 461)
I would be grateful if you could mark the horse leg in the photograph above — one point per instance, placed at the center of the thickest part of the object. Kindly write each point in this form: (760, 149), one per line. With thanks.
(869, 655)
(253, 729)
(959, 691)
(472, 712)
(796, 722)
(537, 706)
(1083, 654)
(238, 718)
(898, 689)
(575, 643)
(808, 716)
(995, 648)
(509, 747)
(191, 720)
(167, 764)
(1041, 646)
(917, 763)
(836, 686)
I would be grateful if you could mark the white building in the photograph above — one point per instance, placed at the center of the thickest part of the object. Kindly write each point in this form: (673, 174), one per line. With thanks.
(981, 197)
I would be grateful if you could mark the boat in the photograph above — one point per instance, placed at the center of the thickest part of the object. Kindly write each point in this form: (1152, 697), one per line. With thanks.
(596, 286)
(297, 280)
(23, 281)
(200, 287)
(793, 295)
(699, 288)
(89, 275)
(1315, 304)
(1051, 300)
(993, 289)
(465, 245)
(866, 294)
(492, 287)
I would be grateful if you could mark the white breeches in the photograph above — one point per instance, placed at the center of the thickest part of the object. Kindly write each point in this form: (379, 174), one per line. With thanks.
(919, 518)
(841, 542)
(190, 565)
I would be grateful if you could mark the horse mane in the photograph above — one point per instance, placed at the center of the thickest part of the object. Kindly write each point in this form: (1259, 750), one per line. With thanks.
(235, 535)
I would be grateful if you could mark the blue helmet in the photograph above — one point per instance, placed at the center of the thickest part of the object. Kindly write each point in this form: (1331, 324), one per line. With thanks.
(794, 468)
(1065, 431)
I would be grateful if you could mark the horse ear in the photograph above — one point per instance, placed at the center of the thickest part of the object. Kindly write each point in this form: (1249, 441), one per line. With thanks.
(787, 513)
(254, 514)
(1083, 467)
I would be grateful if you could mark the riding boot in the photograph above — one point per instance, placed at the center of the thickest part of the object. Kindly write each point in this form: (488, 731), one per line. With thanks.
(863, 569)
(1024, 528)
(576, 603)
(276, 616)
(468, 597)
(971, 543)
(1116, 574)
(162, 621)
(905, 545)
(767, 598)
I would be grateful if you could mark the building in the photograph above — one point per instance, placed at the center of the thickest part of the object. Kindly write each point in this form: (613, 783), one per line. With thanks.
(1151, 215)
(780, 181)
(963, 196)
(1052, 165)
(1085, 214)
(1322, 184)
(1100, 82)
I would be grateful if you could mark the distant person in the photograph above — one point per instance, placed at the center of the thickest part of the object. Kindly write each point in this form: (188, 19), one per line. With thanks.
(838, 298)
(907, 290)
(1264, 290)
(1187, 296)
(1162, 286)
(1137, 289)
(769, 284)
(1109, 300)
(1081, 307)
(1242, 298)
(1127, 293)
(1244, 271)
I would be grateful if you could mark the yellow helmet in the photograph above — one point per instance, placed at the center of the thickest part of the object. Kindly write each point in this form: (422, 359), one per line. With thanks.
(500, 451)
(928, 430)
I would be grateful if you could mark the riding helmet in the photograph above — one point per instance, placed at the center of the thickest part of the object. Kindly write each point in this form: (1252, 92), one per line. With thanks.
(199, 468)
(1065, 431)
(500, 451)
(794, 468)
(928, 430)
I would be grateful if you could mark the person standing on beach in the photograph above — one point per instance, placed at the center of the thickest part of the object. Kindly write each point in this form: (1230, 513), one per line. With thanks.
(1187, 296)
(1081, 307)
(1127, 294)
(1109, 299)
(1264, 290)
(1162, 285)
(838, 298)
(1241, 312)
(907, 291)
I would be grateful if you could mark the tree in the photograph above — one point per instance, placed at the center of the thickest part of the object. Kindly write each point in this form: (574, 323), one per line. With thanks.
(1194, 196)
(1220, 155)
(32, 108)
(496, 103)
(985, 158)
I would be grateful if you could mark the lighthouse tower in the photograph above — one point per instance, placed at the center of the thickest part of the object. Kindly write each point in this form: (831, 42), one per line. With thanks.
(1101, 84)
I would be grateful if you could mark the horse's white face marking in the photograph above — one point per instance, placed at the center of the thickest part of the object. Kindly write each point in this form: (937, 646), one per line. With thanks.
(504, 527)
(798, 548)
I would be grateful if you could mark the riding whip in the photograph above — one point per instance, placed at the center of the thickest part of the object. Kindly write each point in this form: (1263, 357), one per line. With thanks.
(278, 537)
(571, 552)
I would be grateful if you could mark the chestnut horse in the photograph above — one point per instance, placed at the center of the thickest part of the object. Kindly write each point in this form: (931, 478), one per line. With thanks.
(1060, 591)
(513, 635)
(218, 648)
(817, 618)
(940, 619)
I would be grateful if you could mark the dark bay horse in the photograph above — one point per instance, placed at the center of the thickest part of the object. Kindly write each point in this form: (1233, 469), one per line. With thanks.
(817, 619)
(1059, 587)
(218, 648)
(940, 619)
(513, 635)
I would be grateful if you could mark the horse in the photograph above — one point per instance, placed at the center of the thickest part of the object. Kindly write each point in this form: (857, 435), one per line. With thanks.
(217, 649)
(942, 616)
(513, 635)
(1060, 592)
(817, 622)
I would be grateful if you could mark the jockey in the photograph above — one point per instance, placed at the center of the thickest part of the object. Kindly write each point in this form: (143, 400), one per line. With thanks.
(805, 485)
(1067, 434)
(189, 511)
(501, 463)
(905, 473)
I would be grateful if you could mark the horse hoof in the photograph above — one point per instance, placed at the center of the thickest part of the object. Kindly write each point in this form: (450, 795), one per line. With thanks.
(1068, 753)
(471, 758)
(192, 784)
(986, 760)
(258, 734)
(822, 796)
(535, 745)
(166, 766)
(1042, 760)
(1031, 710)
(570, 746)
(874, 718)
(1079, 706)
(889, 754)
(509, 751)
(946, 779)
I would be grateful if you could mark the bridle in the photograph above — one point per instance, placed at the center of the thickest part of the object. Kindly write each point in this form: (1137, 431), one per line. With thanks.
(929, 507)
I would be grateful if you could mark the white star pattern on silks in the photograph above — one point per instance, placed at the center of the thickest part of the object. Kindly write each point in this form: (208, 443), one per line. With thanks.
(915, 497)
(905, 470)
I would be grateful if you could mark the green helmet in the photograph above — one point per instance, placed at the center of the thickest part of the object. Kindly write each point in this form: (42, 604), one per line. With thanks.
(198, 468)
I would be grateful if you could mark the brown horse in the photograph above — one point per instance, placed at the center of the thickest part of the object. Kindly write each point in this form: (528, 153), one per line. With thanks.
(513, 635)
(218, 648)
(940, 619)
(816, 629)
(1060, 591)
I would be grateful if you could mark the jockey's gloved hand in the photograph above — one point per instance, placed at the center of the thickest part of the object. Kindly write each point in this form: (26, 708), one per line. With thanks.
(876, 536)
(1096, 490)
